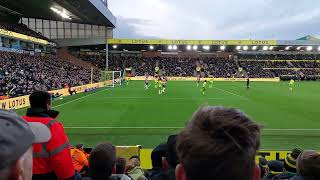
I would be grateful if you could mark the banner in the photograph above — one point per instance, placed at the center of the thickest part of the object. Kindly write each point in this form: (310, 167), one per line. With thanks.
(19, 36)
(23, 101)
(192, 42)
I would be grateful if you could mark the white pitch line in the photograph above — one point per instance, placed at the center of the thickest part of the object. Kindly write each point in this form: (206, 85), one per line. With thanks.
(109, 127)
(178, 98)
(231, 93)
(77, 99)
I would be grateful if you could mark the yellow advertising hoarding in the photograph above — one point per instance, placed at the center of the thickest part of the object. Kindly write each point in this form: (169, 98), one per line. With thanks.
(191, 42)
(12, 34)
(145, 156)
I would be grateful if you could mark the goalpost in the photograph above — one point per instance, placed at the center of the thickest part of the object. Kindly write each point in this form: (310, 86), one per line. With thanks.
(111, 78)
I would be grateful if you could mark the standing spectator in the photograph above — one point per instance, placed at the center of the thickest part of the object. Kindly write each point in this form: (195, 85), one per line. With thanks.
(121, 169)
(79, 159)
(52, 160)
(218, 143)
(308, 166)
(159, 163)
(102, 162)
(16, 140)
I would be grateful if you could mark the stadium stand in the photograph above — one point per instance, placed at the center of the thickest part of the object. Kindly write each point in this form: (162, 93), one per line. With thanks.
(22, 73)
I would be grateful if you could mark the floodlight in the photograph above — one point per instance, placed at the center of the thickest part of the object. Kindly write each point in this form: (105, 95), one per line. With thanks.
(151, 47)
(265, 48)
(195, 47)
(245, 48)
(174, 47)
(288, 48)
(254, 48)
(309, 48)
(298, 48)
(206, 48)
(189, 47)
(222, 48)
(114, 46)
(319, 48)
(170, 47)
(238, 48)
(271, 48)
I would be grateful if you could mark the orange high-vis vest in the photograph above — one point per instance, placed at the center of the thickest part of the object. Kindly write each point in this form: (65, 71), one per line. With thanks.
(79, 159)
(53, 156)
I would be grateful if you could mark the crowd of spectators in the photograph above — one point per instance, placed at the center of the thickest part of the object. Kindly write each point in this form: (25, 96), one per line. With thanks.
(217, 143)
(22, 29)
(21, 74)
(302, 56)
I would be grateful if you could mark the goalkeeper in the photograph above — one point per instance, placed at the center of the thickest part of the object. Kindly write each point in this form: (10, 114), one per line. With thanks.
(291, 83)
(203, 89)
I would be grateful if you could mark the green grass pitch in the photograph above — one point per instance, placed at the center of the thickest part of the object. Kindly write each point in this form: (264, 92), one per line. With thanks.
(130, 115)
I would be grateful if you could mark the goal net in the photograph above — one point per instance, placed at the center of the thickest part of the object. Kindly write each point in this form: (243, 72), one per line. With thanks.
(111, 78)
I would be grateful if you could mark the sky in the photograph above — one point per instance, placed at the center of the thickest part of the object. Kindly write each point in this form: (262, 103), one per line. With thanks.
(216, 19)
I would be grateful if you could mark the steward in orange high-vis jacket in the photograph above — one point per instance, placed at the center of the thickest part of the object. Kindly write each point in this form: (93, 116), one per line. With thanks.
(51, 160)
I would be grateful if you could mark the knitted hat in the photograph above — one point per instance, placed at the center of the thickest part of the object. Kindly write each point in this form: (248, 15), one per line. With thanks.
(290, 160)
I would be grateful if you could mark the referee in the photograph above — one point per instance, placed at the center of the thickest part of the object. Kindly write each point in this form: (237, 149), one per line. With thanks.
(248, 83)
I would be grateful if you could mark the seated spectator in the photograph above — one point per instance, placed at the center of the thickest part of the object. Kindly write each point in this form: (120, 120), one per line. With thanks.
(121, 169)
(133, 168)
(218, 143)
(308, 166)
(102, 162)
(51, 160)
(290, 160)
(159, 163)
(275, 168)
(79, 159)
(16, 139)
(263, 165)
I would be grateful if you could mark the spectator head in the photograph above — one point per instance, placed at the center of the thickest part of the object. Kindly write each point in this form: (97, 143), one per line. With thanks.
(290, 160)
(121, 165)
(218, 143)
(263, 164)
(308, 164)
(135, 160)
(102, 161)
(173, 159)
(16, 139)
(159, 157)
(79, 146)
(40, 99)
(275, 167)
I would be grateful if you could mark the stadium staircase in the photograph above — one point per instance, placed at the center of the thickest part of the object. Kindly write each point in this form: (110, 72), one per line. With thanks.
(64, 54)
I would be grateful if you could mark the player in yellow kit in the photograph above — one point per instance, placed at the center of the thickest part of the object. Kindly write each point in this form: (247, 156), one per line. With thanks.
(203, 89)
(160, 85)
(291, 83)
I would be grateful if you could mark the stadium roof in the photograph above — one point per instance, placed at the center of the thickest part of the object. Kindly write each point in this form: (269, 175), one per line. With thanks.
(80, 11)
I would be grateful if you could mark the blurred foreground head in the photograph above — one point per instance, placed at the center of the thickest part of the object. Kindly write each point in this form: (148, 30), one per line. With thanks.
(218, 143)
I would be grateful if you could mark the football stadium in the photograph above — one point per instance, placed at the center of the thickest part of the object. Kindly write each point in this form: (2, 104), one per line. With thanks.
(136, 94)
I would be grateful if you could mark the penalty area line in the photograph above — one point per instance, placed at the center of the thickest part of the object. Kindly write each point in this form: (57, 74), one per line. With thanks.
(77, 99)
(231, 93)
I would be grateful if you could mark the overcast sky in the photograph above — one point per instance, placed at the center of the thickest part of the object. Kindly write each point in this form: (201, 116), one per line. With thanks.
(216, 19)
